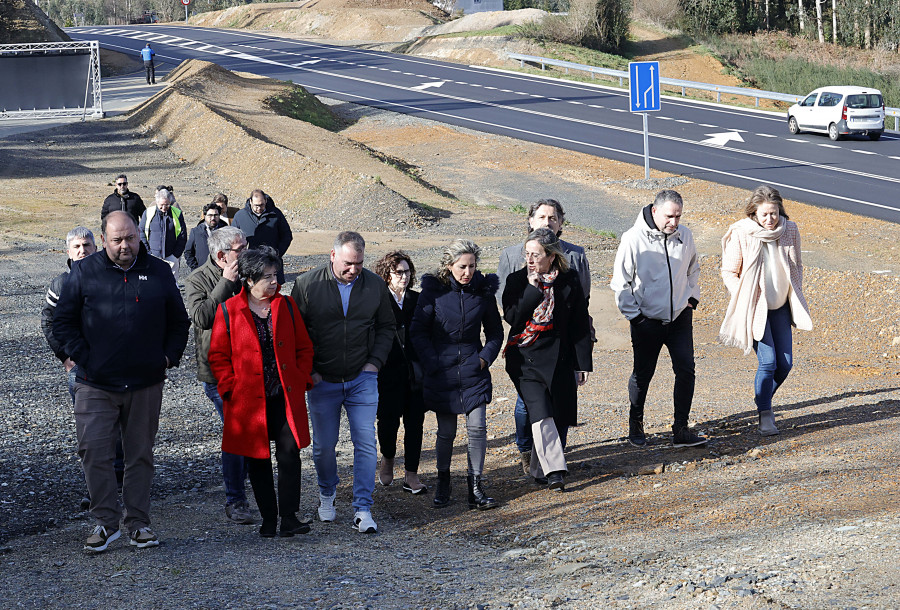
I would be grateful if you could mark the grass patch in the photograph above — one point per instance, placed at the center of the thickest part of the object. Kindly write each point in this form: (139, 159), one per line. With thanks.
(503, 30)
(297, 103)
(775, 66)
(518, 208)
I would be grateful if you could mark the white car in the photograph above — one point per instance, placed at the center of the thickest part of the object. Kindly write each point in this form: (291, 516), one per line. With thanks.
(839, 111)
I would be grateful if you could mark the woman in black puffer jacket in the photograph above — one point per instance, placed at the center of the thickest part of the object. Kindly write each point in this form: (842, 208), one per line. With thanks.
(454, 305)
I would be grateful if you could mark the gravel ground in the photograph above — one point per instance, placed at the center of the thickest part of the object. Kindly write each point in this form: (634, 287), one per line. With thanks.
(808, 519)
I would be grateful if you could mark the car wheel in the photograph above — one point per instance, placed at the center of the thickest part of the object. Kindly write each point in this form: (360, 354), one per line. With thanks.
(792, 126)
(874, 135)
(833, 132)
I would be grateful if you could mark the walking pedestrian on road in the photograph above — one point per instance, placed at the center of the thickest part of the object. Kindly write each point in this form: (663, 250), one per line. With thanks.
(762, 268)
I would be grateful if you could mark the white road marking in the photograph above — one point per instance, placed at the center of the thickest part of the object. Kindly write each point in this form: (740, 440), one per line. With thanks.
(721, 139)
(863, 152)
(765, 135)
(709, 126)
(825, 145)
(684, 121)
(795, 140)
(430, 85)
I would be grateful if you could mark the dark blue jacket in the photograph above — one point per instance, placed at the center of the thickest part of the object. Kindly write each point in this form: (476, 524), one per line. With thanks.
(120, 326)
(270, 229)
(197, 250)
(163, 235)
(446, 333)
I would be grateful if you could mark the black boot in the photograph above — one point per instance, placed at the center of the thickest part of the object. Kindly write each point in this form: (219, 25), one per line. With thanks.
(477, 498)
(442, 491)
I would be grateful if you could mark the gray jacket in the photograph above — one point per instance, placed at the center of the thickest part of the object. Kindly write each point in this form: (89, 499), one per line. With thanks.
(205, 289)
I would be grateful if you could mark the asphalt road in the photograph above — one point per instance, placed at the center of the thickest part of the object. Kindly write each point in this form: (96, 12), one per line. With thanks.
(739, 147)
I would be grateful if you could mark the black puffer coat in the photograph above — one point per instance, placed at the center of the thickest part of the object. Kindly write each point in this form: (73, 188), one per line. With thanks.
(446, 333)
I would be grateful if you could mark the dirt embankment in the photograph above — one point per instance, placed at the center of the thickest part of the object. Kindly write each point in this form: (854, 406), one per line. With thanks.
(311, 169)
(22, 21)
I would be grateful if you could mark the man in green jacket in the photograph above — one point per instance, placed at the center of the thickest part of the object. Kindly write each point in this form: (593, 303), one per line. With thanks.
(347, 311)
(211, 284)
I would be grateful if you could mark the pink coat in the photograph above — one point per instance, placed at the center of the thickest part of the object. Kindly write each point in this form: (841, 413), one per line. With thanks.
(235, 358)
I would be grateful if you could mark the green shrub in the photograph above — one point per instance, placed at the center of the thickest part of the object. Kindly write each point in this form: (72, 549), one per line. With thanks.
(297, 103)
(595, 24)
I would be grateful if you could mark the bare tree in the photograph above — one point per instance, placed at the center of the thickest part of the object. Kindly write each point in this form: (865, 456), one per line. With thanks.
(801, 15)
(834, 37)
(819, 28)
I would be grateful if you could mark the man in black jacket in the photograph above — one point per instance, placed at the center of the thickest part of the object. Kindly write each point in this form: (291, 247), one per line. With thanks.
(122, 321)
(124, 200)
(351, 344)
(264, 224)
(197, 250)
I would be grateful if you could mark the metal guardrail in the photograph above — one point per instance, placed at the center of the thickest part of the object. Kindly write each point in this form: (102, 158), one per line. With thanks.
(756, 94)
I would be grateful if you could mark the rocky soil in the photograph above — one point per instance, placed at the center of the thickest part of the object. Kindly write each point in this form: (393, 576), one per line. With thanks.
(807, 519)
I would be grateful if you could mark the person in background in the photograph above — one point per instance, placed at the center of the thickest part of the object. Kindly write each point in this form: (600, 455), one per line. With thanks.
(197, 250)
(147, 55)
(763, 271)
(656, 278)
(226, 212)
(213, 283)
(400, 379)
(124, 200)
(456, 303)
(264, 224)
(163, 231)
(261, 357)
(544, 213)
(548, 353)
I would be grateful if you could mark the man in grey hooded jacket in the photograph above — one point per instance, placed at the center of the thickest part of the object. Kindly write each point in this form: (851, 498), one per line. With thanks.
(656, 280)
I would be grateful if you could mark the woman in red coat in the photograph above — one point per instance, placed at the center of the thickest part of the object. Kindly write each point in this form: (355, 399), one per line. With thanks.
(261, 356)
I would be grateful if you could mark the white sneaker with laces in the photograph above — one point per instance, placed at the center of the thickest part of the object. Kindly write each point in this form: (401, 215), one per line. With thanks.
(363, 522)
(327, 511)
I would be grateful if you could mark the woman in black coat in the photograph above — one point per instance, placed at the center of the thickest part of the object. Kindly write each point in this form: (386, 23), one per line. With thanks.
(456, 302)
(400, 379)
(548, 353)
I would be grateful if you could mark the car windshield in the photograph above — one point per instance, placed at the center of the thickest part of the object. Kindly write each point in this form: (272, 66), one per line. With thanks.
(864, 100)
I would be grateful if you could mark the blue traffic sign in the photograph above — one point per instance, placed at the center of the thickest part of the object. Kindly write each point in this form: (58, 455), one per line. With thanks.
(643, 77)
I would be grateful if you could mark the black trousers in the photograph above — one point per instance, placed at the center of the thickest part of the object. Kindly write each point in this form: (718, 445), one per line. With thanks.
(287, 454)
(647, 339)
(150, 69)
(412, 410)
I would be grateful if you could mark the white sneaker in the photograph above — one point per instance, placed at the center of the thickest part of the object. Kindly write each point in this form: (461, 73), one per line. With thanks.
(363, 522)
(327, 511)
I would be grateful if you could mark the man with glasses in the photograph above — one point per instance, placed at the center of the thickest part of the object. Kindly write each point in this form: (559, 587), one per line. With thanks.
(124, 200)
(197, 250)
(211, 284)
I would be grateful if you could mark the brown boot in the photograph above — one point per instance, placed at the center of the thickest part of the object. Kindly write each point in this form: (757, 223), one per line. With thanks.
(386, 472)
(525, 458)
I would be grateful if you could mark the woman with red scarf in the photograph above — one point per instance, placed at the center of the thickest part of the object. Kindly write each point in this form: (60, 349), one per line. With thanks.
(548, 353)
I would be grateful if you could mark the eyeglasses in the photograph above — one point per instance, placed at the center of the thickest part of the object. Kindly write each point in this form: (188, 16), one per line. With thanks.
(399, 273)
(213, 214)
(238, 249)
(121, 183)
(529, 256)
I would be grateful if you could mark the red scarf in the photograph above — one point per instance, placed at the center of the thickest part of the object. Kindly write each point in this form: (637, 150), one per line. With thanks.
(542, 318)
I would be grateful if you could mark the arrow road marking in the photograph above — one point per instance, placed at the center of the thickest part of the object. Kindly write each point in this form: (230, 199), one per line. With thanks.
(306, 63)
(720, 139)
(425, 86)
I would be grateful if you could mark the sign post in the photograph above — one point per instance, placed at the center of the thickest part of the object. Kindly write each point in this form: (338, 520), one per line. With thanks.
(643, 80)
(185, 3)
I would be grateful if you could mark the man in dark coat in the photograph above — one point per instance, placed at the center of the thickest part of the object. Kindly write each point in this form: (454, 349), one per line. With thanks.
(264, 224)
(347, 310)
(122, 321)
(197, 250)
(213, 283)
(124, 200)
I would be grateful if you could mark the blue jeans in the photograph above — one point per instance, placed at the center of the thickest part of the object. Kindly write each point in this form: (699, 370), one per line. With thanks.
(234, 468)
(360, 399)
(524, 440)
(775, 355)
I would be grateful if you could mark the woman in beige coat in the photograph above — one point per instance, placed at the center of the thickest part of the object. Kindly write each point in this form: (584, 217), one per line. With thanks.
(762, 269)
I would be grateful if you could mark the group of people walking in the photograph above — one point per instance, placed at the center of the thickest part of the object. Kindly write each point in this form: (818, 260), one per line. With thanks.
(370, 343)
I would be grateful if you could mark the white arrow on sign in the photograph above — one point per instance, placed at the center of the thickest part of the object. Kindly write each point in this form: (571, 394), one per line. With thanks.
(721, 139)
(425, 86)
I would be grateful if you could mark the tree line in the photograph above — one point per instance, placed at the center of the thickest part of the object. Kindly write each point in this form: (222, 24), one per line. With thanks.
(866, 24)
(120, 12)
